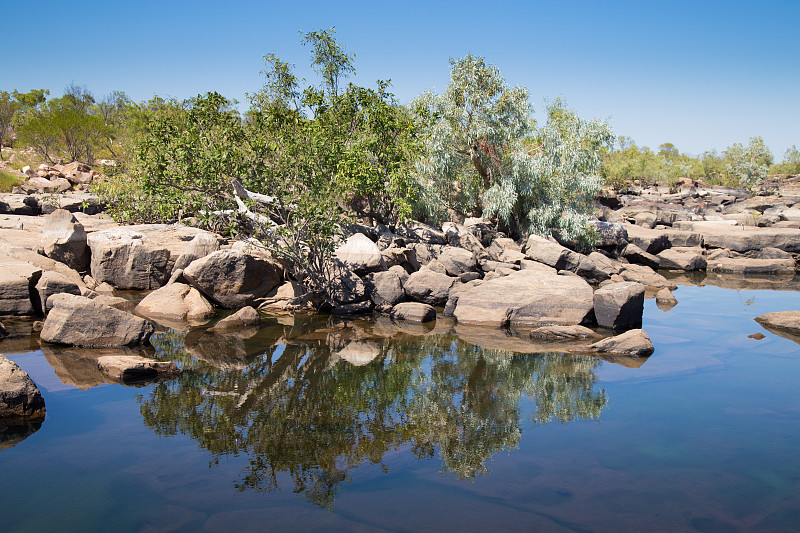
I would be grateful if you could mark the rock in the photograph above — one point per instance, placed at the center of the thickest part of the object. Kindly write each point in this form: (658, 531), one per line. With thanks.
(741, 239)
(634, 254)
(384, 288)
(688, 259)
(783, 323)
(64, 239)
(79, 321)
(644, 275)
(19, 396)
(619, 306)
(645, 219)
(421, 232)
(460, 236)
(560, 333)
(3, 331)
(200, 246)
(54, 283)
(357, 308)
(457, 261)
(746, 265)
(756, 336)
(112, 301)
(528, 298)
(345, 286)
(77, 173)
(610, 234)
(665, 300)
(770, 253)
(176, 301)
(120, 257)
(133, 367)
(244, 317)
(551, 253)
(281, 297)
(428, 287)
(589, 271)
(425, 253)
(605, 264)
(404, 257)
(18, 287)
(651, 241)
(361, 254)
(634, 342)
(413, 312)
(234, 278)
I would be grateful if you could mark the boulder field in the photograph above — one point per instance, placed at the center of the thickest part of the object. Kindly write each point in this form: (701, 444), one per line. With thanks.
(71, 267)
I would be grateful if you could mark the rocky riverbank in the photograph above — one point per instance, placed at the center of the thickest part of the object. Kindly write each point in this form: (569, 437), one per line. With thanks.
(68, 266)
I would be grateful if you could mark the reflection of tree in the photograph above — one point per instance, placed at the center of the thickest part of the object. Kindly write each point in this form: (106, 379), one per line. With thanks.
(295, 409)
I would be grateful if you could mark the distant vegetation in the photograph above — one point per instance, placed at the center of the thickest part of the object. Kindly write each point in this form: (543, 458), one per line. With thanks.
(314, 157)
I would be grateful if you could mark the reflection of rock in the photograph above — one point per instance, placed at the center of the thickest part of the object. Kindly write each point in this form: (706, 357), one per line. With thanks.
(77, 367)
(19, 396)
(222, 350)
(413, 312)
(665, 300)
(559, 333)
(502, 339)
(359, 353)
(244, 317)
(12, 432)
(785, 324)
(775, 282)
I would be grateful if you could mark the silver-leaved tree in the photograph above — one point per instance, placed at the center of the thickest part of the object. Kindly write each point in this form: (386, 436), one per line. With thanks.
(484, 156)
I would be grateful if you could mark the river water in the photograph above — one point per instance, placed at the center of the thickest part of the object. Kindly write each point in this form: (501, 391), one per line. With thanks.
(321, 424)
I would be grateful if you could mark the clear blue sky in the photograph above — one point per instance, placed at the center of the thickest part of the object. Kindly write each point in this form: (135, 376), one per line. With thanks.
(699, 74)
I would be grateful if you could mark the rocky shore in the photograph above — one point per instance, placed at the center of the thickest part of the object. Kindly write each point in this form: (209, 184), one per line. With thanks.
(69, 265)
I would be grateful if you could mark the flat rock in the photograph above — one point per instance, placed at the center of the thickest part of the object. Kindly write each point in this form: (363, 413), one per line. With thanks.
(644, 275)
(687, 259)
(79, 321)
(133, 367)
(747, 265)
(54, 283)
(413, 312)
(19, 396)
(526, 297)
(783, 323)
(633, 342)
(560, 333)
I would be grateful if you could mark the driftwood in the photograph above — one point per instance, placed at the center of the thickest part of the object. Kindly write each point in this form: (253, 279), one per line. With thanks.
(240, 194)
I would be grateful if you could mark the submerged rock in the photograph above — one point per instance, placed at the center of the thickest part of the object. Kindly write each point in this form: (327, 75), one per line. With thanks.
(784, 323)
(560, 333)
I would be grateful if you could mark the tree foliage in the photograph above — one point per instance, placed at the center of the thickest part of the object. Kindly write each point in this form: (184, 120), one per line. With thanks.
(484, 155)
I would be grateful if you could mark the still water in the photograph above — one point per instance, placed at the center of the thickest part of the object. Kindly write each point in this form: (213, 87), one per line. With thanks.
(334, 425)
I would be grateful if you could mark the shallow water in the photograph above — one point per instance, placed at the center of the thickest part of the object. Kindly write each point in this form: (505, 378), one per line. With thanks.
(312, 424)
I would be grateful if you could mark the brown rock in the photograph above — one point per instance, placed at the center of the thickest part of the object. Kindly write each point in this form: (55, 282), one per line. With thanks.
(244, 317)
(133, 367)
(19, 396)
(413, 312)
(634, 342)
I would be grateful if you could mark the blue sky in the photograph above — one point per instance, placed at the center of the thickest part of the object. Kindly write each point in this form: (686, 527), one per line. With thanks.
(701, 75)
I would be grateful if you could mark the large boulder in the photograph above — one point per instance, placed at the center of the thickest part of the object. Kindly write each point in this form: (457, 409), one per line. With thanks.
(360, 254)
(176, 301)
(619, 306)
(344, 285)
(200, 246)
(64, 239)
(634, 342)
(747, 265)
(243, 318)
(121, 257)
(79, 321)
(634, 254)
(384, 288)
(551, 253)
(646, 276)
(742, 239)
(527, 298)
(18, 287)
(19, 396)
(610, 234)
(457, 261)
(428, 287)
(234, 278)
(421, 232)
(651, 241)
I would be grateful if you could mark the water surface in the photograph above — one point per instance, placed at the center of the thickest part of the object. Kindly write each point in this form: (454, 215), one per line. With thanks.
(330, 424)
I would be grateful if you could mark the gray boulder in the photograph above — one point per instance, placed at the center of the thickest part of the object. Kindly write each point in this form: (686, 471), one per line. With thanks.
(551, 253)
(562, 333)
(243, 318)
(619, 306)
(79, 321)
(176, 301)
(634, 254)
(747, 265)
(122, 258)
(234, 278)
(428, 287)
(413, 312)
(200, 246)
(345, 286)
(64, 239)
(19, 396)
(688, 259)
(384, 288)
(361, 254)
(526, 298)
(457, 261)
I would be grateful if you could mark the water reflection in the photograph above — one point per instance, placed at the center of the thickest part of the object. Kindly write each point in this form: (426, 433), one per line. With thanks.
(12, 432)
(310, 400)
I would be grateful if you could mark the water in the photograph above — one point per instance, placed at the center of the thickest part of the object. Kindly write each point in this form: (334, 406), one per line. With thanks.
(429, 430)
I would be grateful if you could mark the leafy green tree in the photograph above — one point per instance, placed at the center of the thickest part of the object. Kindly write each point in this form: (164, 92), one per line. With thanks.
(11, 103)
(748, 164)
(790, 163)
(483, 155)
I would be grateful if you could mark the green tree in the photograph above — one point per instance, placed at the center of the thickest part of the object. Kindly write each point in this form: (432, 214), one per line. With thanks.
(11, 103)
(748, 165)
(483, 155)
(790, 163)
